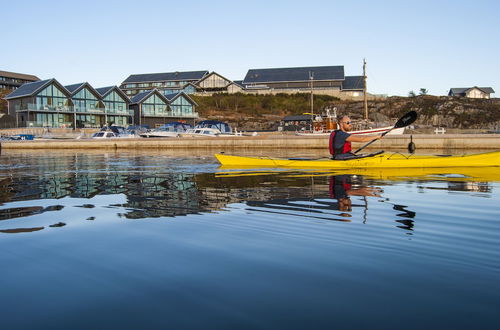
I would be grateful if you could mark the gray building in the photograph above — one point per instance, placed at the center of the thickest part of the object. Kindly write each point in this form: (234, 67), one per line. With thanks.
(13, 80)
(166, 82)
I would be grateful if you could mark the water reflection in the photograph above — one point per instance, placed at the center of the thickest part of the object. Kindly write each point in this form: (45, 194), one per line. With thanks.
(143, 186)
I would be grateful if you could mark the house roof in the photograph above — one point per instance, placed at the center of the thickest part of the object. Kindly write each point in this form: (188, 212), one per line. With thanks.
(239, 83)
(294, 74)
(140, 97)
(106, 90)
(353, 83)
(16, 75)
(29, 89)
(298, 118)
(213, 73)
(173, 96)
(461, 90)
(75, 88)
(165, 76)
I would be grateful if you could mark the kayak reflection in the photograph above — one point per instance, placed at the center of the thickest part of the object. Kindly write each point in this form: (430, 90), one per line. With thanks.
(84, 187)
(318, 203)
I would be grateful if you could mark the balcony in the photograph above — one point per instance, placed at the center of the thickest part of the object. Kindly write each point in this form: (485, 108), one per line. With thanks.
(172, 114)
(83, 110)
(42, 108)
(70, 109)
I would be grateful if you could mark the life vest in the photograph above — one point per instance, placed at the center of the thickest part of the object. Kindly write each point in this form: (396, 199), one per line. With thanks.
(345, 148)
(339, 189)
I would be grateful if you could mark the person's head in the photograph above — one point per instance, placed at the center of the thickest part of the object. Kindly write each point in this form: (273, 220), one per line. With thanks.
(345, 204)
(345, 123)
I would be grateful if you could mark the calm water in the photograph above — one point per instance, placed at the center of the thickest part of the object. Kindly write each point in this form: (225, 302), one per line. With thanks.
(138, 240)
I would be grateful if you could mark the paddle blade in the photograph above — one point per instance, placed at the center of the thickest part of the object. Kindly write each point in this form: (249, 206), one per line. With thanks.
(406, 120)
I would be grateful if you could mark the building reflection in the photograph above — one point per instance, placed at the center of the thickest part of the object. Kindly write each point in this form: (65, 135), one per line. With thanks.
(154, 190)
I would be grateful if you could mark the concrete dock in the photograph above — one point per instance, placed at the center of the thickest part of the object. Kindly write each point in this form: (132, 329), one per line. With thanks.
(269, 141)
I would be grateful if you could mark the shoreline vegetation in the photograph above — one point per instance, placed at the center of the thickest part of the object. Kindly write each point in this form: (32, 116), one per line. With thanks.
(263, 112)
(252, 112)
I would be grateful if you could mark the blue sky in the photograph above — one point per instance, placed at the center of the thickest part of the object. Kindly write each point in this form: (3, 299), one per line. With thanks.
(407, 45)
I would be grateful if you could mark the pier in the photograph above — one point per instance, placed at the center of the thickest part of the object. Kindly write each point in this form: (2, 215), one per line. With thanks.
(265, 141)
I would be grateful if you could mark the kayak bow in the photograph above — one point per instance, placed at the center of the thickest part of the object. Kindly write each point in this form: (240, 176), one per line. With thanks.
(383, 160)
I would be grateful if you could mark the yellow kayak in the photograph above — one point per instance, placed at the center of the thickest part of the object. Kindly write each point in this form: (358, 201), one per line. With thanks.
(383, 160)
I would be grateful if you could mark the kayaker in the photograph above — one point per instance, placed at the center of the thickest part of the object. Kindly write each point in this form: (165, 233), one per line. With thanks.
(340, 139)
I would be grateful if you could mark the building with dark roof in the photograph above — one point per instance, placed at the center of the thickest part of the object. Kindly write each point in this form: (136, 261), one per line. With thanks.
(153, 108)
(353, 86)
(330, 77)
(472, 92)
(47, 103)
(166, 82)
(12, 80)
(328, 80)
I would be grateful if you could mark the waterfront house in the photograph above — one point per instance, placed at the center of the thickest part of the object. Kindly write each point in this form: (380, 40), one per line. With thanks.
(116, 104)
(47, 103)
(472, 92)
(87, 105)
(13, 80)
(166, 82)
(153, 108)
(41, 103)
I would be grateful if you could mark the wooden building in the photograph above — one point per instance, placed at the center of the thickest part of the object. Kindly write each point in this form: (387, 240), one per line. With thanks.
(472, 92)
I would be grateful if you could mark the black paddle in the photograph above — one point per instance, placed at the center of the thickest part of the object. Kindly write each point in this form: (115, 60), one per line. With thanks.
(404, 121)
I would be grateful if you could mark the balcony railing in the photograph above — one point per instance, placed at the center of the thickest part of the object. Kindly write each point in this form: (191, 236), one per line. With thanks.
(71, 109)
(172, 114)
(48, 124)
(45, 108)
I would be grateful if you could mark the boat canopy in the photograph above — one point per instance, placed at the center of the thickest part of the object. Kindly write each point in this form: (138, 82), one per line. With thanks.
(221, 126)
(180, 126)
(113, 128)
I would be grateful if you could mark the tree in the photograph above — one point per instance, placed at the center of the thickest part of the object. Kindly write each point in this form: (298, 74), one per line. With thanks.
(423, 91)
(3, 103)
(411, 94)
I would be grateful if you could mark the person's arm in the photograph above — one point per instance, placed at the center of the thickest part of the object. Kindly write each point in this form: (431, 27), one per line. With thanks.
(361, 138)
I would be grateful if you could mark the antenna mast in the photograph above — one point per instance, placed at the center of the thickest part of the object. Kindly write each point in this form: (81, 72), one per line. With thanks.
(364, 90)
(311, 77)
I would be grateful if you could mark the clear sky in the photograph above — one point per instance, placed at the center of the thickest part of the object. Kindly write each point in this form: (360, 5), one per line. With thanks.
(408, 45)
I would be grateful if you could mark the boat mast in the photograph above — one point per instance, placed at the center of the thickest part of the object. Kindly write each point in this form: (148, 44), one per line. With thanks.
(364, 90)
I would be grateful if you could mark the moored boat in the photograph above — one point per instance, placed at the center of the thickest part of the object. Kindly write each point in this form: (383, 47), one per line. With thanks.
(380, 160)
(210, 128)
(371, 131)
(172, 129)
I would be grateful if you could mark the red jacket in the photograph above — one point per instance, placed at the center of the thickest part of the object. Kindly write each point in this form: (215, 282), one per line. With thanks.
(345, 148)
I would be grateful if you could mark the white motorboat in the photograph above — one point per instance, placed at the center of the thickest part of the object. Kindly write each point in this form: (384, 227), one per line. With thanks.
(168, 130)
(104, 135)
(210, 128)
(202, 132)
